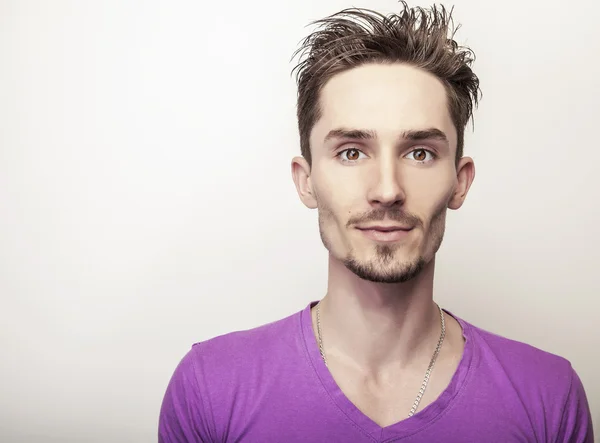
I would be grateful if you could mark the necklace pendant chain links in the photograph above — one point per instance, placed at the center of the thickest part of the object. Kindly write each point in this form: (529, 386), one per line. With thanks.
(429, 369)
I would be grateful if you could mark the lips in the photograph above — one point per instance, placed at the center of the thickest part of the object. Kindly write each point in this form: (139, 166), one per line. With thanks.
(384, 228)
(385, 234)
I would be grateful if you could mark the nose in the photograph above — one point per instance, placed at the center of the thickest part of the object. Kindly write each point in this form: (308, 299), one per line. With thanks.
(387, 189)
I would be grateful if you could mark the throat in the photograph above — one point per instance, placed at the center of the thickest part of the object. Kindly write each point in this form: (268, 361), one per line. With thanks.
(373, 340)
(383, 384)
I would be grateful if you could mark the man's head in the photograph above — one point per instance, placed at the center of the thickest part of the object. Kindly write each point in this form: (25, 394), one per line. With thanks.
(382, 107)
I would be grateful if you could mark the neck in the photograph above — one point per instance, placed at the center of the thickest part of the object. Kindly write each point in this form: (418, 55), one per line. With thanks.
(373, 325)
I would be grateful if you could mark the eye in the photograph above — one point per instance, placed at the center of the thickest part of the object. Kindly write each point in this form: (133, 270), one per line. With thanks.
(421, 155)
(350, 155)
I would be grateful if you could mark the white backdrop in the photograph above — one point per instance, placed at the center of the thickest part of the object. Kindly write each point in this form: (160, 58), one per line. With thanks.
(146, 200)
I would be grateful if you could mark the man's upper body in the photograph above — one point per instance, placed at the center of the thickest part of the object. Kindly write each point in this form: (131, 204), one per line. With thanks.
(270, 384)
(383, 102)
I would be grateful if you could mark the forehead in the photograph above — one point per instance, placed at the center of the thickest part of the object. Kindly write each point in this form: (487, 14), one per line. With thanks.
(386, 98)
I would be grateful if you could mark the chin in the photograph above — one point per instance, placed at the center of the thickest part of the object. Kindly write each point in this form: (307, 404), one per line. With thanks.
(379, 272)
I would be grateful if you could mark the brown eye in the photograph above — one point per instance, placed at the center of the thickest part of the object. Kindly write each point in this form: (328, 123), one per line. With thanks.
(350, 155)
(420, 155)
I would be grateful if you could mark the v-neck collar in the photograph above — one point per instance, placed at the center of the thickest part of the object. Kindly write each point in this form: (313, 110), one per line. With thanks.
(408, 426)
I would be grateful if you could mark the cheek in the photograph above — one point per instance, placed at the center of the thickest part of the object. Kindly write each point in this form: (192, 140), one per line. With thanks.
(337, 197)
(327, 204)
(330, 212)
(430, 194)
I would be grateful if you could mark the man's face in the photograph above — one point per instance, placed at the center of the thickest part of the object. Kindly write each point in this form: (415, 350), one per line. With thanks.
(383, 171)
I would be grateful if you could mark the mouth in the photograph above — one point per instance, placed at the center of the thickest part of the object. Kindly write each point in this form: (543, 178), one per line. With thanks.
(385, 233)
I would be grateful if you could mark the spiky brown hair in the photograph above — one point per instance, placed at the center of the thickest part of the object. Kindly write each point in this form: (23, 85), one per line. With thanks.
(420, 37)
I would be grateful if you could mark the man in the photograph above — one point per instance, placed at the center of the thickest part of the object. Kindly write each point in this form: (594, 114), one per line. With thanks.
(382, 107)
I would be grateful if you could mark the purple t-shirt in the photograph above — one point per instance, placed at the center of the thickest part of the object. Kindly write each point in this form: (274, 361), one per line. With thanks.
(269, 384)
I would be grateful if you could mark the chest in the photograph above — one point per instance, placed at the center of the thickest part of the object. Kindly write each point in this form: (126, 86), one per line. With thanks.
(306, 415)
(390, 398)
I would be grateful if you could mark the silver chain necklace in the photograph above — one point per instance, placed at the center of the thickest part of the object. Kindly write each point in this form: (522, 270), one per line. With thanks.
(427, 373)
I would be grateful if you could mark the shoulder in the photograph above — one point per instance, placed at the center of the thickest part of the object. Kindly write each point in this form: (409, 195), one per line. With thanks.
(524, 361)
(546, 384)
(218, 372)
(248, 346)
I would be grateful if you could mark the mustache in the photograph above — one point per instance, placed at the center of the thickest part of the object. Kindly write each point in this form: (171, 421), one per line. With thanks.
(396, 214)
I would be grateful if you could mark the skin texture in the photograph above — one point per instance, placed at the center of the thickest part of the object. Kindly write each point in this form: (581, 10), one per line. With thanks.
(384, 153)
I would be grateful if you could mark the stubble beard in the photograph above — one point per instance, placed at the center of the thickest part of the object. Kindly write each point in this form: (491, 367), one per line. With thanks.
(385, 267)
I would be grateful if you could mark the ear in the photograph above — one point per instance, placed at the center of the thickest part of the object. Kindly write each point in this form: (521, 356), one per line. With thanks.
(465, 174)
(301, 175)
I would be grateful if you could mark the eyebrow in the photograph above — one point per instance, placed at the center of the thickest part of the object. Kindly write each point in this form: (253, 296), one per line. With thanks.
(425, 134)
(355, 134)
(362, 134)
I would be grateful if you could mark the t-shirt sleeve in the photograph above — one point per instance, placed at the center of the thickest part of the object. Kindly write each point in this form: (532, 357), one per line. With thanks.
(576, 424)
(183, 414)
